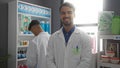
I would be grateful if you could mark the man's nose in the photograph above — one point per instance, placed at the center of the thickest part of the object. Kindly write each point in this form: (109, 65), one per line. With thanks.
(66, 14)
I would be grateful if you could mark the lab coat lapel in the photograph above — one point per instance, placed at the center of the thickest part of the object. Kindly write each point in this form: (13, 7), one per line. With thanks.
(60, 35)
(60, 48)
(72, 42)
(73, 36)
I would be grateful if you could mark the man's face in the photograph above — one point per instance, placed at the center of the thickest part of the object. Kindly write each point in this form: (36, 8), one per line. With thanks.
(34, 29)
(67, 15)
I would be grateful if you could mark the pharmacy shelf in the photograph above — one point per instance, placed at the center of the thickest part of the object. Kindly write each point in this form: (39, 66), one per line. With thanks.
(22, 46)
(111, 65)
(115, 37)
(26, 35)
(22, 59)
(33, 15)
(102, 43)
(17, 11)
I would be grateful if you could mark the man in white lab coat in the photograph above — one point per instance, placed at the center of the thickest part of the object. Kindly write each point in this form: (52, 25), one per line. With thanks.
(36, 52)
(68, 47)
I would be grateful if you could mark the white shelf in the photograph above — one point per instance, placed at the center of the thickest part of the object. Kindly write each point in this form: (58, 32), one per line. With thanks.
(111, 65)
(33, 15)
(115, 37)
(104, 44)
(22, 46)
(26, 35)
(22, 59)
(15, 33)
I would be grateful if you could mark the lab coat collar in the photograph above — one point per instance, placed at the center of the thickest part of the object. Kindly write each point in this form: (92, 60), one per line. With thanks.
(61, 35)
(36, 37)
(75, 31)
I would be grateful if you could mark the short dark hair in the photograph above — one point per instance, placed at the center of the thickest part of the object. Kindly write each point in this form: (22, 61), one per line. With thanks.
(68, 5)
(32, 23)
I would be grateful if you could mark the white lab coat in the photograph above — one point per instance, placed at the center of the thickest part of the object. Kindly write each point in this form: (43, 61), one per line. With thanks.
(36, 52)
(77, 53)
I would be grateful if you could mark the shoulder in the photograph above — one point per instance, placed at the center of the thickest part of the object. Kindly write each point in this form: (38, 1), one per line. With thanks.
(41, 38)
(82, 34)
(79, 31)
(55, 34)
(44, 34)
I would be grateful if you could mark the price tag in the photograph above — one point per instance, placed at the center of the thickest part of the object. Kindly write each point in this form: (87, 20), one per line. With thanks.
(116, 37)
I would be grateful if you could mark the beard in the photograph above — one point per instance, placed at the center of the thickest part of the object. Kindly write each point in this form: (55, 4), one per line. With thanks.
(66, 23)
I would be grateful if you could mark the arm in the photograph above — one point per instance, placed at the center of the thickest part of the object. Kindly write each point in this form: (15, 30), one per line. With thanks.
(42, 60)
(86, 53)
(31, 55)
(50, 54)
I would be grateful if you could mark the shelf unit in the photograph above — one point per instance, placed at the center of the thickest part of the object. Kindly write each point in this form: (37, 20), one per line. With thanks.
(22, 46)
(102, 45)
(24, 59)
(111, 65)
(17, 35)
(26, 35)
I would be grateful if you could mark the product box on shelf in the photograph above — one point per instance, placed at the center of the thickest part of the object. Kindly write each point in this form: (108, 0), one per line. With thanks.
(105, 22)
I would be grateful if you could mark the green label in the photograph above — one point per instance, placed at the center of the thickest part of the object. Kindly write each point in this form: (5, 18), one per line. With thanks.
(76, 51)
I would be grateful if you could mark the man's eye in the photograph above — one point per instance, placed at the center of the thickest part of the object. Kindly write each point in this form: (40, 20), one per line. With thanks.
(63, 13)
(70, 12)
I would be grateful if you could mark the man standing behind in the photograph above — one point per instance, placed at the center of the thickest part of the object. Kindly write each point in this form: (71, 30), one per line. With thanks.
(68, 47)
(36, 52)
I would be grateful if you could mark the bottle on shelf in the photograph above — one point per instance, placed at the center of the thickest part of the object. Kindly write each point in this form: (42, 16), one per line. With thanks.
(22, 66)
(19, 55)
(116, 25)
(47, 27)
